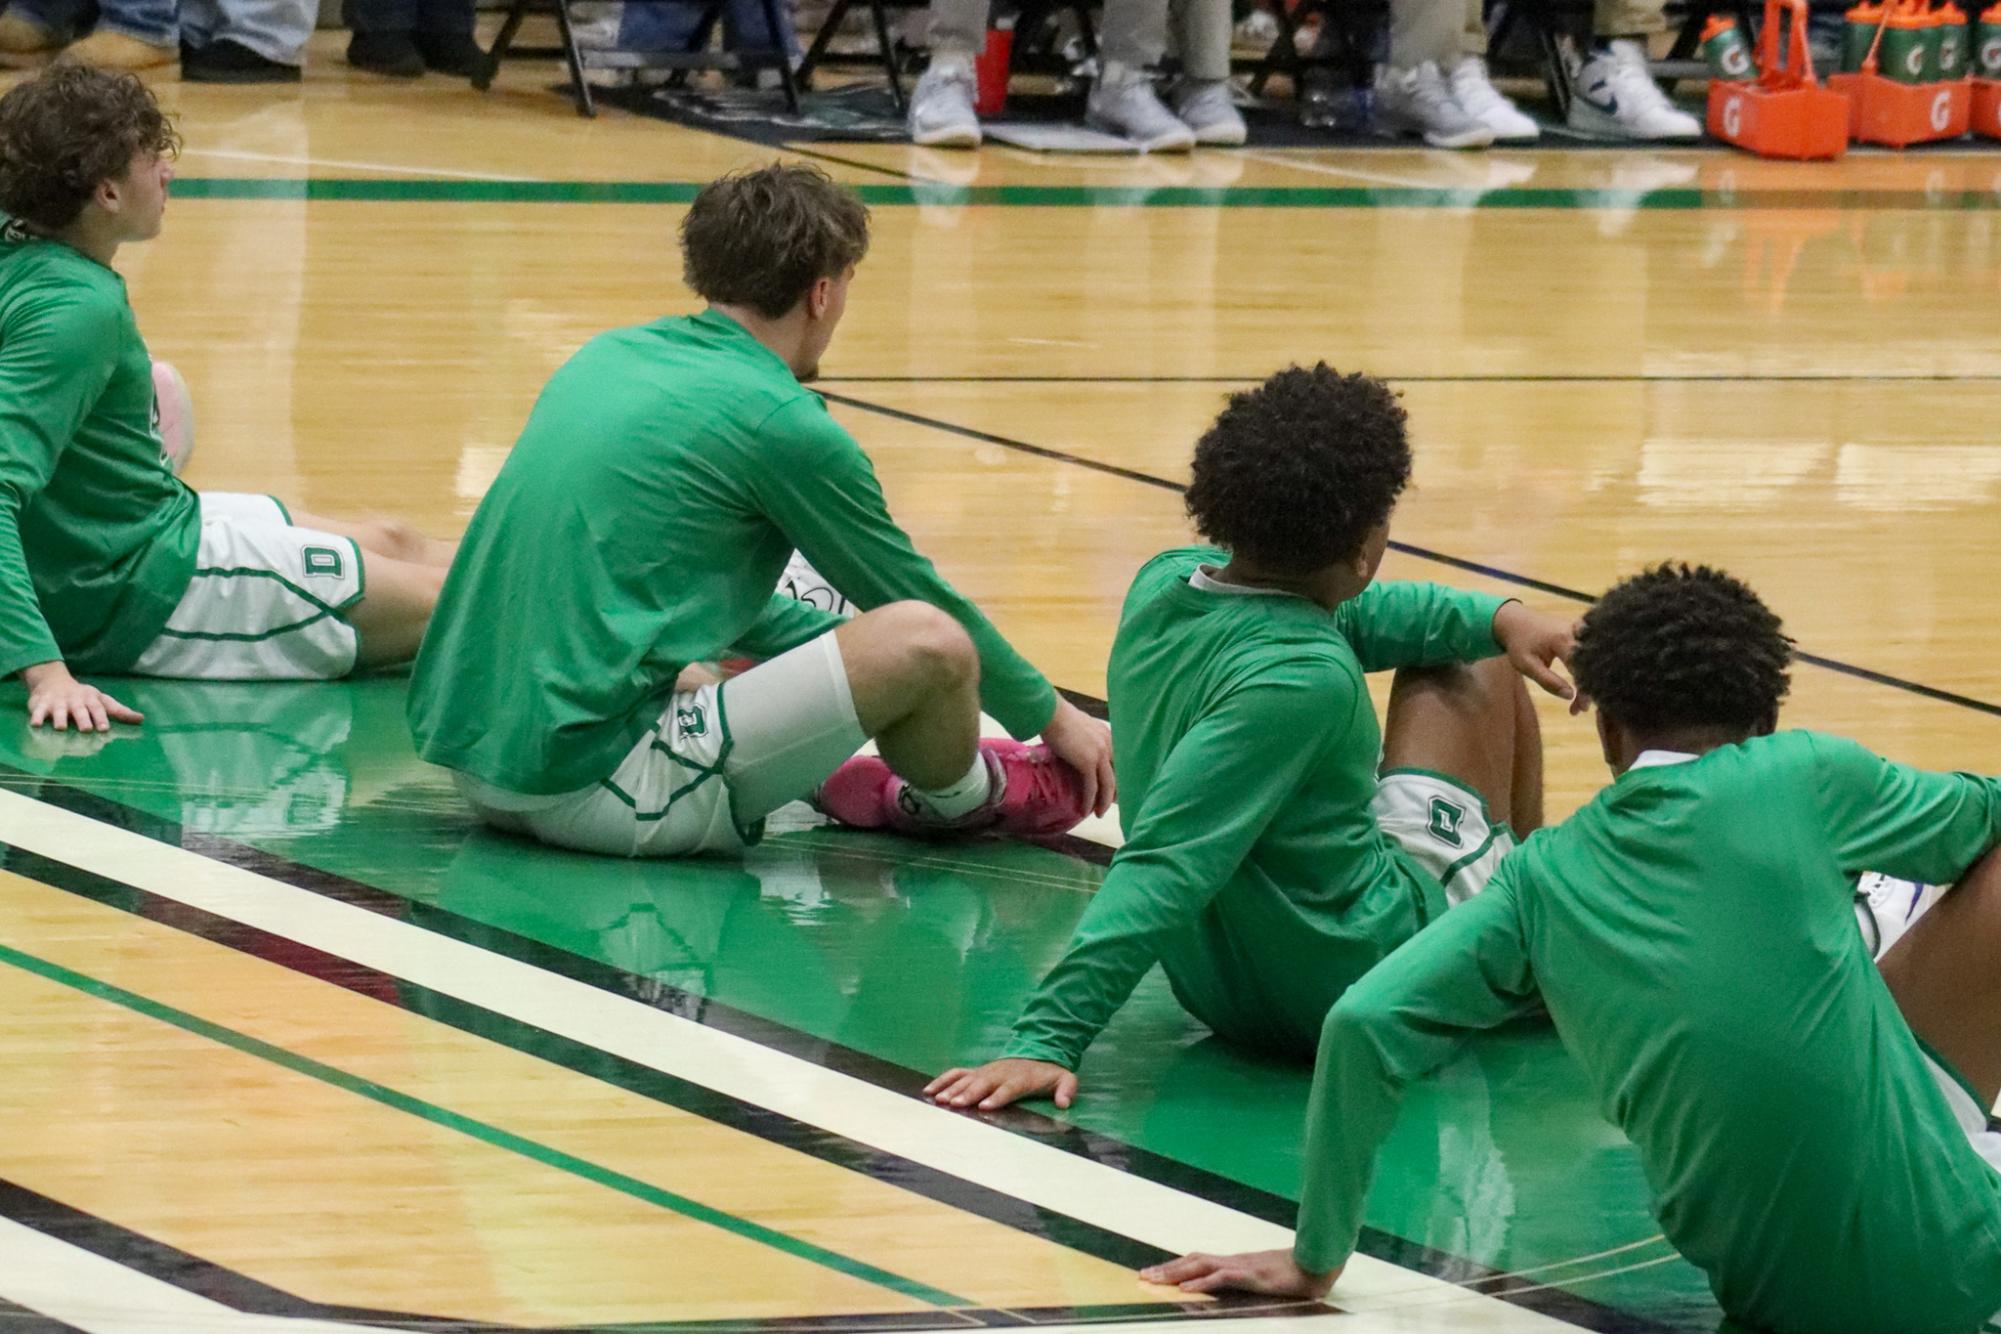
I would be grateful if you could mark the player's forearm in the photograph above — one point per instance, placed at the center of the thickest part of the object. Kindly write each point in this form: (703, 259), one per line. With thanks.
(1401, 624)
(1352, 1108)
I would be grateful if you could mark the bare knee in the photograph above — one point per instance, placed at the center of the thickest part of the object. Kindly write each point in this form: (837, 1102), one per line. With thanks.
(393, 538)
(936, 651)
(1463, 686)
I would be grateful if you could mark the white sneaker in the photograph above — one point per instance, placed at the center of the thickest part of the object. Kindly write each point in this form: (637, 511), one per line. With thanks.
(1207, 107)
(1479, 98)
(1886, 907)
(802, 583)
(1123, 102)
(1616, 97)
(941, 107)
(1416, 101)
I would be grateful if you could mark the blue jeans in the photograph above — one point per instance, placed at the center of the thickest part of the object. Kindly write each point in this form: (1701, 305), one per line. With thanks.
(669, 25)
(152, 21)
(274, 29)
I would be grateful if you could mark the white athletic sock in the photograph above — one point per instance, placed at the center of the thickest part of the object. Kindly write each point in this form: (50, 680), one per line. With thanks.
(961, 798)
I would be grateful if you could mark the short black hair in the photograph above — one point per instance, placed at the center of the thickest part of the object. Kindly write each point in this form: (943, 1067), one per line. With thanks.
(68, 130)
(1682, 646)
(762, 238)
(1295, 473)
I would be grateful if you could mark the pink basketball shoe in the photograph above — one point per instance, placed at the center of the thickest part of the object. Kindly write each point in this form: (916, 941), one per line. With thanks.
(1035, 795)
(173, 415)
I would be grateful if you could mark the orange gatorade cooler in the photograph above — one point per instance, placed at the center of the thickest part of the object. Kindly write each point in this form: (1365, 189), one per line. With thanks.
(1953, 43)
(1987, 45)
(1858, 34)
(1784, 112)
(1905, 55)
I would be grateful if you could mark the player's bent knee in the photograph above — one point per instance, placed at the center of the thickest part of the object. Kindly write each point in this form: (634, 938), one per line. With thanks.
(936, 649)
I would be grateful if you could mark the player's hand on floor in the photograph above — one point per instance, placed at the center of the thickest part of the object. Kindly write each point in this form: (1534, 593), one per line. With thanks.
(999, 1083)
(1273, 1273)
(60, 700)
(1086, 744)
(1535, 643)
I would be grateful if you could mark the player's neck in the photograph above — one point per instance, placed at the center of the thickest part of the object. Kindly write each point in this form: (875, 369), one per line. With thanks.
(1329, 587)
(89, 236)
(1673, 740)
(785, 336)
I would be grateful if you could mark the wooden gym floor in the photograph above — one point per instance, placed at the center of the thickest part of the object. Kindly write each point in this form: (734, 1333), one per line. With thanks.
(290, 1045)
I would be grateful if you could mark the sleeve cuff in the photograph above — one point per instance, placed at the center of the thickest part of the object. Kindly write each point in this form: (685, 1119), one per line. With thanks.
(1028, 1049)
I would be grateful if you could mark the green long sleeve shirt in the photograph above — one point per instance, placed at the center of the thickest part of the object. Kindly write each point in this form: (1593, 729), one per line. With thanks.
(1693, 935)
(641, 524)
(1247, 747)
(97, 536)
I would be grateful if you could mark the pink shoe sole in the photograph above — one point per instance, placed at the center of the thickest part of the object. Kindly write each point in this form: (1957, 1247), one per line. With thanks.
(860, 793)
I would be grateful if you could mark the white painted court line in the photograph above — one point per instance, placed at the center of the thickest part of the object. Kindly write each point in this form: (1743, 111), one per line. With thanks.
(101, 1296)
(1394, 1299)
(344, 164)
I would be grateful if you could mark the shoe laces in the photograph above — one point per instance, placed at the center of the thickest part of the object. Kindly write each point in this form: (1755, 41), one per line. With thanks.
(1431, 95)
(1049, 781)
(950, 73)
(1632, 82)
(1473, 90)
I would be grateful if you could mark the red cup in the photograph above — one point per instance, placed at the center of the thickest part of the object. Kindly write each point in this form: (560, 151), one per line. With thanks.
(990, 70)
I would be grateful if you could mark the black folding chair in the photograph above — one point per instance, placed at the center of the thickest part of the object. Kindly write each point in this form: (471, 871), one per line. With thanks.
(696, 56)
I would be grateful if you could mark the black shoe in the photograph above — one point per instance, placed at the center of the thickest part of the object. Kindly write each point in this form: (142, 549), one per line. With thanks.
(391, 53)
(450, 52)
(224, 61)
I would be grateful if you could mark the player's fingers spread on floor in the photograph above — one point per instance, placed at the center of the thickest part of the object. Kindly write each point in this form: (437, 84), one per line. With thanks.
(944, 1080)
(98, 721)
(123, 713)
(1222, 1276)
(1179, 1271)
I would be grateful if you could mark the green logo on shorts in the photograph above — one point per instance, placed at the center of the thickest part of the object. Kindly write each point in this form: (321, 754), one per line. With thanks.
(1445, 818)
(692, 721)
(324, 561)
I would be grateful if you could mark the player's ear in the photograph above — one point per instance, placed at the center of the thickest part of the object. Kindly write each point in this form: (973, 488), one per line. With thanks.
(1610, 743)
(819, 297)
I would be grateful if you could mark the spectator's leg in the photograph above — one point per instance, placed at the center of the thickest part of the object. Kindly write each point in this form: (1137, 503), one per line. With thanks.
(1123, 100)
(383, 37)
(1472, 89)
(444, 37)
(1412, 96)
(941, 106)
(37, 27)
(1616, 95)
(1636, 19)
(131, 34)
(1203, 99)
(244, 41)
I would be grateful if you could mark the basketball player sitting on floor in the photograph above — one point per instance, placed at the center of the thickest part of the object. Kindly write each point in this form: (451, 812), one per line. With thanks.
(108, 561)
(1278, 843)
(641, 525)
(1815, 1127)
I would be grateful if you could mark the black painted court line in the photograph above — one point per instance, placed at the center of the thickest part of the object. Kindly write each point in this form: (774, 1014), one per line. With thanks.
(1091, 1145)
(581, 1058)
(825, 156)
(1258, 377)
(1869, 674)
(158, 1260)
(168, 1264)
(15, 1319)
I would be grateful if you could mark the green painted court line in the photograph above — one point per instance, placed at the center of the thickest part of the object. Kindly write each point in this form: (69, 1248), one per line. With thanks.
(479, 1130)
(406, 190)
